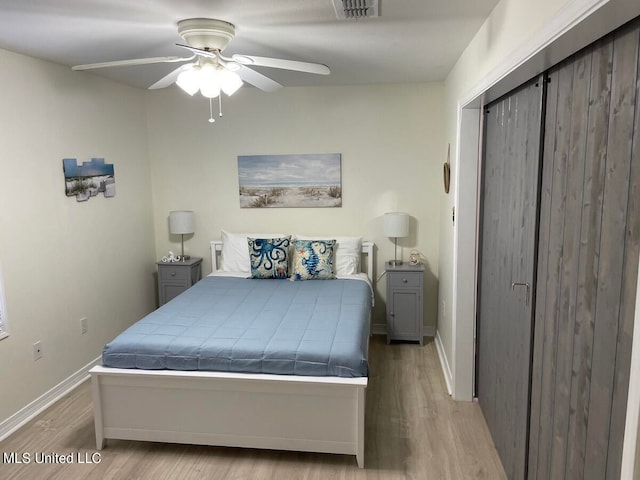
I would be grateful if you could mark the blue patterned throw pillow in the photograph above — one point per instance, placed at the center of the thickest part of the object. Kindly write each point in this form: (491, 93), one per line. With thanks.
(313, 259)
(269, 257)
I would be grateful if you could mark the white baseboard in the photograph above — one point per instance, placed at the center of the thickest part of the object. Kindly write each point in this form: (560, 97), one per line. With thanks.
(22, 416)
(381, 329)
(444, 364)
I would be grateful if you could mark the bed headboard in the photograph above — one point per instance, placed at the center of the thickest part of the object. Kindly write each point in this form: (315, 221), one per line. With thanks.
(367, 252)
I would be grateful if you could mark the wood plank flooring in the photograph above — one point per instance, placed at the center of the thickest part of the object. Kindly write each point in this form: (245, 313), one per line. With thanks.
(414, 431)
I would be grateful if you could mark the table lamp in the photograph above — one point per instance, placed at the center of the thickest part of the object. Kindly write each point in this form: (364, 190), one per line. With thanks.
(181, 222)
(396, 225)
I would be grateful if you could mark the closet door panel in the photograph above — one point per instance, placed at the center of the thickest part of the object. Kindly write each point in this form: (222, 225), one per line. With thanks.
(589, 241)
(573, 154)
(611, 262)
(625, 127)
(490, 266)
(508, 237)
(590, 223)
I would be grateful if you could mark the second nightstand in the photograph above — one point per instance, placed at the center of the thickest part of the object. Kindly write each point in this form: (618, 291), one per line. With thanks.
(175, 278)
(404, 302)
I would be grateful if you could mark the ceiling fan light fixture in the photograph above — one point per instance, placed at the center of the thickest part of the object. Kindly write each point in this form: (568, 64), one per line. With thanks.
(210, 90)
(230, 81)
(209, 81)
(189, 80)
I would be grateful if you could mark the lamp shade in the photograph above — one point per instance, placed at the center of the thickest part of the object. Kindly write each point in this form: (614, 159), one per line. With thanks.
(181, 222)
(396, 224)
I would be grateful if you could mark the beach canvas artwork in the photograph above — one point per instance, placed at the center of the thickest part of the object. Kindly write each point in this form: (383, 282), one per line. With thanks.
(87, 180)
(281, 181)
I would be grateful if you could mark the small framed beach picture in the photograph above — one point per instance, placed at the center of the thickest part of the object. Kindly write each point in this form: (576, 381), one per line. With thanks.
(88, 179)
(290, 181)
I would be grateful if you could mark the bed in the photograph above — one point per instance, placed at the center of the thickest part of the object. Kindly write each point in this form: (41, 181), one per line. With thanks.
(293, 410)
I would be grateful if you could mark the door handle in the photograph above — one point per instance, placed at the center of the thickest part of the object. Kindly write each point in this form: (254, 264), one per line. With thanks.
(522, 284)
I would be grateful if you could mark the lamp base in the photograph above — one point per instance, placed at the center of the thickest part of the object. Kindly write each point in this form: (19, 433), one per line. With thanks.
(395, 263)
(183, 257)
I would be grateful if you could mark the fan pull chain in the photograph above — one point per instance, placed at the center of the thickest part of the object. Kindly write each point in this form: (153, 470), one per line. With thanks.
(211, 119)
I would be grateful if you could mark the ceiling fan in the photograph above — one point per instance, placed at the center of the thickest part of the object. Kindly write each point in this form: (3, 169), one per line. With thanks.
(210, 72)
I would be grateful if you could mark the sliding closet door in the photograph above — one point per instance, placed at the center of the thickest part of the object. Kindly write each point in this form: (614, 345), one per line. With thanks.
(587, 270)
(507, 263)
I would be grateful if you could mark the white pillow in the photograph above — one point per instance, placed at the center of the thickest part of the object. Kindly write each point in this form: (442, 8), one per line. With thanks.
(348, 251)
(235, 250)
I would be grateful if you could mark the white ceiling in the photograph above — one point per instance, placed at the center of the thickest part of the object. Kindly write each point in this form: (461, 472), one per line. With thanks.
(412, 40)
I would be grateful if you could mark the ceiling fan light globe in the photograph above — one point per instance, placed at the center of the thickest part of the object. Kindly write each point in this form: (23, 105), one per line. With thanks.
(189, 81)
(231, 89)
(210, 90)
(230, 82)
(209, 81)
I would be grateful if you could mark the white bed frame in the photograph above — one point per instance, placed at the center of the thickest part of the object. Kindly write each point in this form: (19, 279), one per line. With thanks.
(280, 412)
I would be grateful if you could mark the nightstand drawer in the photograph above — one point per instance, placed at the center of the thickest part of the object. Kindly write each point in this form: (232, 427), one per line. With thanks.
(404, 279)
(173, 272)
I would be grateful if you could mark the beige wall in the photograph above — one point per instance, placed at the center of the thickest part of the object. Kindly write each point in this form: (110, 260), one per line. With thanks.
(61, 259)
(390, 138)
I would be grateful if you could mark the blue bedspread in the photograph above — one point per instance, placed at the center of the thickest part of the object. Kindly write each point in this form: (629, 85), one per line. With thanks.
(316, 328)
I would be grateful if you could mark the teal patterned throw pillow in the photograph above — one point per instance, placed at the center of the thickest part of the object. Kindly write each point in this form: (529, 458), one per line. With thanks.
(269, 257)
(313, 259)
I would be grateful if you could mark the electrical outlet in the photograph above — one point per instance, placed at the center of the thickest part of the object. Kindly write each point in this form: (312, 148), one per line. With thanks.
(37, 350)
(83, 325)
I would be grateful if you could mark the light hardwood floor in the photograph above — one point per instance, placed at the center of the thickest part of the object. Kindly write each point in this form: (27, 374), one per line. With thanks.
(414, 431)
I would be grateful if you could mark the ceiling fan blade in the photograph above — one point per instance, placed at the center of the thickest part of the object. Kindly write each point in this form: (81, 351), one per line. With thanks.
(307, 67)
(136, 61)
(249, 60)
(258, 80)
(170, 78)
(199, 51)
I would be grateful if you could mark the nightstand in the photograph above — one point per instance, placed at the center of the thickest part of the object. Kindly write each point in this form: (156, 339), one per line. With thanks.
(174, 278)
(405, 285)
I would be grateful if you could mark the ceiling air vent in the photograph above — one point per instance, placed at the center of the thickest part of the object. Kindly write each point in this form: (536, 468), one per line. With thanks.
(346, 9)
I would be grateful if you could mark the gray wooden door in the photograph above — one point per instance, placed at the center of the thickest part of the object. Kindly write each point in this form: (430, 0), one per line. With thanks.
(587, 270)
(509, 199)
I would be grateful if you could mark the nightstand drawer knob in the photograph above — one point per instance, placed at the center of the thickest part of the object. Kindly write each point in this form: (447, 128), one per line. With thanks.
(404, 280)
(173, 274)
